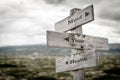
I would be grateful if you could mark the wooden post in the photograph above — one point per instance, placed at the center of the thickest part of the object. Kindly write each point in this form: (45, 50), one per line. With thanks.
(77, 74)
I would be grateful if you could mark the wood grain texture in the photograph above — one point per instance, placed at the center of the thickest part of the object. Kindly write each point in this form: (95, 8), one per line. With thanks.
(56, 39)
(79, 74)
(86, 60)
(79, 18)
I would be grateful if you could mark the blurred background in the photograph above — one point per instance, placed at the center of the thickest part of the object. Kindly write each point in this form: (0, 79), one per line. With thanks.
(24, 54)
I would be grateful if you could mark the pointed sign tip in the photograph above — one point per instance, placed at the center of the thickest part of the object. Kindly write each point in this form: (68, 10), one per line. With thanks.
(86, 14)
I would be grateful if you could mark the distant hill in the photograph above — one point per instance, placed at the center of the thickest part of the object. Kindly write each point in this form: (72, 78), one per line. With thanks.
(30, 49)
(115, 47)
(43, 49)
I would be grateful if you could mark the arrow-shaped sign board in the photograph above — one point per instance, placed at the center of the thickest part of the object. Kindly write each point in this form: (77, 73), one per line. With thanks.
(76, 41)
(85, 60)
(79, 18)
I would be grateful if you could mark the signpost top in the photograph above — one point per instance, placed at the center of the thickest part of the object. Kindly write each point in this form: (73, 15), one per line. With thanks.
(78, 18)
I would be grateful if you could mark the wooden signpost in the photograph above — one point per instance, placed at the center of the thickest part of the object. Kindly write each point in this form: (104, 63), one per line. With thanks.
(85, 60)
(76, 41)
(83, 46)
(79, 18)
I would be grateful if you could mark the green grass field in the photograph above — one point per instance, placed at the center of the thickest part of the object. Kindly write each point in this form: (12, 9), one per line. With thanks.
(43, 68)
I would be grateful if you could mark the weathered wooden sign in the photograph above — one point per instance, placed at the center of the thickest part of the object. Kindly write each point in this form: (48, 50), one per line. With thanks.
(79, 18)
(83, 46)
(85, 60)
(76, 41)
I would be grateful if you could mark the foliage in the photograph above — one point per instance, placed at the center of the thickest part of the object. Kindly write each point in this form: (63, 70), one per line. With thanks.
(43, 68)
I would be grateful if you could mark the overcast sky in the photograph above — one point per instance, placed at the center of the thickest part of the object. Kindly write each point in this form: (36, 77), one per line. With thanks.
(24, 22)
